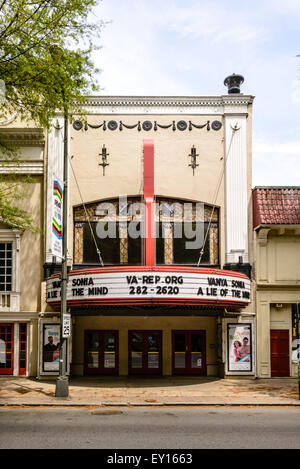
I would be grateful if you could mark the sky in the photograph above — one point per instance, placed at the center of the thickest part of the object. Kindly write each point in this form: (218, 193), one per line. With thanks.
(188, 48)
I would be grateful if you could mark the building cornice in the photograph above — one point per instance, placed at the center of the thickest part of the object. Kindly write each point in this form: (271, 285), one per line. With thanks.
(23, 167)
(278, 227)
(168, 101)
(24, 136)
(21, 316)
(198, 105)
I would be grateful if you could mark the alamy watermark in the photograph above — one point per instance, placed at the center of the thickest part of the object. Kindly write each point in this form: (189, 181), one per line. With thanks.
(186, 220)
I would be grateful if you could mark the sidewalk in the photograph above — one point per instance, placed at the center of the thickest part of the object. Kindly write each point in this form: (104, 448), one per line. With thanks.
(119, 391)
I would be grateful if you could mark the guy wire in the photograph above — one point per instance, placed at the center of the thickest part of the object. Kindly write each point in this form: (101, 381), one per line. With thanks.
(234, 129)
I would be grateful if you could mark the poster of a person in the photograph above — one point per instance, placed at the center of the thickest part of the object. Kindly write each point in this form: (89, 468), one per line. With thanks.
(239, 347)
(236, 346)
(51, 347)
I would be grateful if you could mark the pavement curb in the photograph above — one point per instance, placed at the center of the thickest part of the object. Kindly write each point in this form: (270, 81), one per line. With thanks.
(157, 404)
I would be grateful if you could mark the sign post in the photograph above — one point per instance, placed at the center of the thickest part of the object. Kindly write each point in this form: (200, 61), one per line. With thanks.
(62, 382)
(66, 329)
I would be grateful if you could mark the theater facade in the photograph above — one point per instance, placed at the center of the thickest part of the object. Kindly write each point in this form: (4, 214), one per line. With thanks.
(159, 239)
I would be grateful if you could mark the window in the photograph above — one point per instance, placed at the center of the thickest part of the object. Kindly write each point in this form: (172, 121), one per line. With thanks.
(186, 232)
(117, 230)
(109, 247)
(9, 269)
(6, 251)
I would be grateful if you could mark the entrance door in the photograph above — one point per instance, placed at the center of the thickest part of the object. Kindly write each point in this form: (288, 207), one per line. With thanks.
(189, 352)
(6, 349)
(280, 353)
(144, 352)
(101, 353)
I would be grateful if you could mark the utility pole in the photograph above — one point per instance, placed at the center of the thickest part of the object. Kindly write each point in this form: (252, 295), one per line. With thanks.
(62, 382)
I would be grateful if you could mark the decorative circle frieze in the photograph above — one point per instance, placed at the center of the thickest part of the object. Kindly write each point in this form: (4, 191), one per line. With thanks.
(216, 125)
(77, 125)
(181, 125)
(112, 125)
(147, 125)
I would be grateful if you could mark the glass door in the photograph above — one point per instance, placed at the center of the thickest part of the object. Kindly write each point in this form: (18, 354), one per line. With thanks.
(145, 352)
(6, 349)
(101, 352)
(189, 352)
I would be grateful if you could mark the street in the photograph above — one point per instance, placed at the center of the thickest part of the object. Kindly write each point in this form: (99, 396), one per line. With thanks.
(157, 428)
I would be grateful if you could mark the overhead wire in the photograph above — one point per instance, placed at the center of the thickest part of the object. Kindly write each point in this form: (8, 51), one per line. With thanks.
(234, 130)
(57, 127)
(87, 215)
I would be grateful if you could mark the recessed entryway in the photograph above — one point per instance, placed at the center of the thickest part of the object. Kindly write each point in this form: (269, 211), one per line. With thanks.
(188, 352)
(101, 353)
(145, 352)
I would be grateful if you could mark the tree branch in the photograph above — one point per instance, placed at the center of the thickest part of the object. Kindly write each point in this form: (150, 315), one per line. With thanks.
(5, 36)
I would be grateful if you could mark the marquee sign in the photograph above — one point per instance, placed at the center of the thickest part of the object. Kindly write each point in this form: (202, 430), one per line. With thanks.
(157, 285)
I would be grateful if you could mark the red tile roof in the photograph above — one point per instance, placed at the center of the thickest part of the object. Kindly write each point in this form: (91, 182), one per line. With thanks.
(276, 206)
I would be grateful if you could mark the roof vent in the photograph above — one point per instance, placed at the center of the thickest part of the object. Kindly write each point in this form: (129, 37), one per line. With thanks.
(233, 83)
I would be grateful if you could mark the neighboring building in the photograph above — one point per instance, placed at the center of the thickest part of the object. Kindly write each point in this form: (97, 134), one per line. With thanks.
(276, 222)
(21, 255)
(181, 163)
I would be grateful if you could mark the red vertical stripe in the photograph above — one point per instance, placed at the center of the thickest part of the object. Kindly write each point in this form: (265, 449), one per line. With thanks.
(149, 201)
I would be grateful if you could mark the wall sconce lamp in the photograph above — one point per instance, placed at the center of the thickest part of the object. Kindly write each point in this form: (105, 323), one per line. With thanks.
(193, 156)
(104, 156)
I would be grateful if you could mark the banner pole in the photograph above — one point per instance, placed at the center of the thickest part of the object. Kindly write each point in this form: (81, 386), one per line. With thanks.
(62, 382)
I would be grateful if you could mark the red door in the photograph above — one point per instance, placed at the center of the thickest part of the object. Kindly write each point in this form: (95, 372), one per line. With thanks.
(144, 352)
(280, 353)
(101, 353)
(189, 356)
(6, 349)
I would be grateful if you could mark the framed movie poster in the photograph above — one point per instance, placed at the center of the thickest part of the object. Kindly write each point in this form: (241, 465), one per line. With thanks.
(239, 342)
(51, 347)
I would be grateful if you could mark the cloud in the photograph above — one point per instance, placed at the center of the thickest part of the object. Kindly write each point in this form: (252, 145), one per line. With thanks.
(149, 42)
(289, 8)
(296, 91)
(134, 54)
(188, 48)
(287, 148)
(214, 23)
(276, 163)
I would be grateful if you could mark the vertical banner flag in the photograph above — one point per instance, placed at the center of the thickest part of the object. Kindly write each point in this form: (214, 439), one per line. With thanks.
(57, 200)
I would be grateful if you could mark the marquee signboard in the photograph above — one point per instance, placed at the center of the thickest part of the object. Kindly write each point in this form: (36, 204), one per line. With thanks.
(169, 285)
